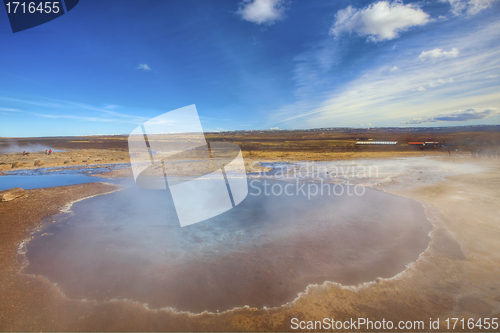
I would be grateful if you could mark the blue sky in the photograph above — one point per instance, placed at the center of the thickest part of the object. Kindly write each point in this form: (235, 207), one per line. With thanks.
(107, 66)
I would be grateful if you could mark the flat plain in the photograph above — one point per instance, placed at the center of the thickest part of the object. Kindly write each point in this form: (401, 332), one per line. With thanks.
(456, 276)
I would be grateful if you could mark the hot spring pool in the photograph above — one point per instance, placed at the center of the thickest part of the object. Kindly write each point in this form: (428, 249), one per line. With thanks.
(129, 245)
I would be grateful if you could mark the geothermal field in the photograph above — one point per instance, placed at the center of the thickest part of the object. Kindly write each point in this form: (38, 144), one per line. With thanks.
(330, 228)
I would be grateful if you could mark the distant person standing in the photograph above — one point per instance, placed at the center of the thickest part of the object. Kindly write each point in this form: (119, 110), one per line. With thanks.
(46, 151)
(50, 152)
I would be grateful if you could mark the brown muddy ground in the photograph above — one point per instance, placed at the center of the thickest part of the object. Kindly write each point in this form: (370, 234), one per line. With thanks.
(456, 277)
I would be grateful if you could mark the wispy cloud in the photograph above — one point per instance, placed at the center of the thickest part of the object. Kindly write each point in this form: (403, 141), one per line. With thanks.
(464, 115)
(144, 67)
(440, 82)
(9, 110)
(79, 118)
(438, 53)
(58, 109)
(262, 11)
(380, 21)
(379, 95)
(468, 7)
(105, 110)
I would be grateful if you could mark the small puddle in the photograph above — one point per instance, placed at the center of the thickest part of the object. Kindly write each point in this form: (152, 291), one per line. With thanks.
(56, 176)
(129, 245)
(32, 182)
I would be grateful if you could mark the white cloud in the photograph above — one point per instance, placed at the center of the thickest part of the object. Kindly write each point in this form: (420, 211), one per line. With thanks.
(438, 53)
(262, 11)
(393, 69)
(463, 115)
(421, 89)
(9, 110)
(476, 6)
(491, 76)
(470, 7)
(144, 67)
(440, 82)
(380, 21)
(457, 6)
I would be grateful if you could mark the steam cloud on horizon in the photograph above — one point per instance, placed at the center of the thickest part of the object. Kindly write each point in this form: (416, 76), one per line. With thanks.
(9, 147)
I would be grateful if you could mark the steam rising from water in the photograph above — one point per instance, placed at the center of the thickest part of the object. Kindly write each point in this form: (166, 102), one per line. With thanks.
(129, 245)
(10, 146)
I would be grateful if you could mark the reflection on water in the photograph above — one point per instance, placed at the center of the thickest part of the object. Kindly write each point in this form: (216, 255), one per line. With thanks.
(129, 245)
(32, 182)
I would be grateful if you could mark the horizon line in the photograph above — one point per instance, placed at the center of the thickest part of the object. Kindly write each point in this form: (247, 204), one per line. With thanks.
(275, 130)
